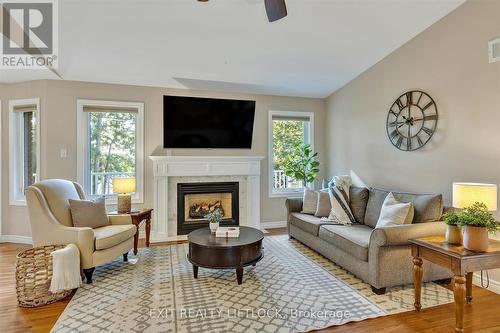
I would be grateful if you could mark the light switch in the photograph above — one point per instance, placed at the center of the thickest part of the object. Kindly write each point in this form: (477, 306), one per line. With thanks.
(63, 153)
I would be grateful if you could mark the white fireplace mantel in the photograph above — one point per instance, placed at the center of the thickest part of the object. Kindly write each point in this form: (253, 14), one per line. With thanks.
(165, 167)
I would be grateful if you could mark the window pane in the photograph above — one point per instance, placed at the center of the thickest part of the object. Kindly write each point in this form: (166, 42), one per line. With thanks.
(112, 149)
(29, 148)
(286, 135)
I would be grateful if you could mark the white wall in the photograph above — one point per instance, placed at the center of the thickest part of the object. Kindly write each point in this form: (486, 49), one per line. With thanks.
(450, 62)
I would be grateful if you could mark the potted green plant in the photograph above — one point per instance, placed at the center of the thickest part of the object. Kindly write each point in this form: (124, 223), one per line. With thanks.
(301, 164)
(477, 222)
(453, 233)
(214, 218)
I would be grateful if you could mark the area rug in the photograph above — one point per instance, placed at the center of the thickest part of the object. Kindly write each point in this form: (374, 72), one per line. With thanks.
(293, 289)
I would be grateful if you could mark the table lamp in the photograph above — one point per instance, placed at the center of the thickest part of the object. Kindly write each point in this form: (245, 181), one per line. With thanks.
(124, 187)
(466, 194)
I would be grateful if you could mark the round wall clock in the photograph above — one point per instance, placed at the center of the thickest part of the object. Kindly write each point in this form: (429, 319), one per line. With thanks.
(412, 120)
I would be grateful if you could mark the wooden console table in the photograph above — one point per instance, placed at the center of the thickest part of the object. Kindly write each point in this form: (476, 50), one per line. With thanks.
(137, 218)
(460, 261)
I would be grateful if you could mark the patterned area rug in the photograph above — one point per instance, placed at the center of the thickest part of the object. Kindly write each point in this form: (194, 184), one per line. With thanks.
(293, 289)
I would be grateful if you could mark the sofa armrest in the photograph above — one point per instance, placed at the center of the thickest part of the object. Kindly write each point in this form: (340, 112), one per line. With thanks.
(120, 219)
(399, 235)
(293, 205)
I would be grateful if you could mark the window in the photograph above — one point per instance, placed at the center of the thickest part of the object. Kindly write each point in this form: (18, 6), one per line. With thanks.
(24, 147)
(110, 145)
(286, 129)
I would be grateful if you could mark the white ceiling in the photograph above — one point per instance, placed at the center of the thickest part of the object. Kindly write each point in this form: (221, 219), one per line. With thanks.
(229, 44)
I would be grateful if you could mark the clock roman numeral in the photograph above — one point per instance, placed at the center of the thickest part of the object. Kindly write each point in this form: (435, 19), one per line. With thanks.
(408, 143)
(394, 134)
(427, 106)
(419, 141)
(419, 98)
(393, 123)
(400, 104)
(427, 130)
(409, 98)
(431, 117)
(399, 142)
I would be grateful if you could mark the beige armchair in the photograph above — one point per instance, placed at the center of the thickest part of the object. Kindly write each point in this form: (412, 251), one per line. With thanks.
(51, 223)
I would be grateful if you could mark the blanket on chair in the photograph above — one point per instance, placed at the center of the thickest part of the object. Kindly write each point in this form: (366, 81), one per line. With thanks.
(65, 269)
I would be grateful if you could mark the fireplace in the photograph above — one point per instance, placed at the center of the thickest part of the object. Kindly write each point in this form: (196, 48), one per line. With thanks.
(195, 200)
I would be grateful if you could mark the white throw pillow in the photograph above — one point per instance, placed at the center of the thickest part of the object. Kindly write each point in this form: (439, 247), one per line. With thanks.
(310, 201)
(394, 212)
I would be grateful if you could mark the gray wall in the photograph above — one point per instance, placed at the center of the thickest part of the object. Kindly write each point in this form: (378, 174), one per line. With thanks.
(58, 122)
(450, 62)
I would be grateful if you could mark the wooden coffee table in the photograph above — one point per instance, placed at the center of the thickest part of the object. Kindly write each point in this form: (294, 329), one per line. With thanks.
(208, 251)
(460, 261)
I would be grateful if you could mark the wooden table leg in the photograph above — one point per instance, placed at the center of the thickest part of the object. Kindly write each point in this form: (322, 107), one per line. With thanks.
(468, 287)
(195, 271)
(417, 275)
(459, 293)
(239, 274)
(136, 236)
(148, 230)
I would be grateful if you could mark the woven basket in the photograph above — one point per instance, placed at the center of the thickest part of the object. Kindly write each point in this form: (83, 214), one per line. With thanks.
(33, 276)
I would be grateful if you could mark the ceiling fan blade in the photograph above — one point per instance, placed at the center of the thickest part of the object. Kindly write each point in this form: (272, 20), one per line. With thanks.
(276, 9)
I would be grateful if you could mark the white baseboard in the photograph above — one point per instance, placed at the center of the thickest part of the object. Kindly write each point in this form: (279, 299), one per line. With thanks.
(16, 239)
(273, 225)
(494, 285)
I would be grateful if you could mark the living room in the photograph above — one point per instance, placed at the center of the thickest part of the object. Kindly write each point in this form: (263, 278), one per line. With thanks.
(397, 98)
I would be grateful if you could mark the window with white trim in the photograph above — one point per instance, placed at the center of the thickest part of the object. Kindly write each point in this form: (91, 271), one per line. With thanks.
(110, 145)
(286, 129)
(24, 147)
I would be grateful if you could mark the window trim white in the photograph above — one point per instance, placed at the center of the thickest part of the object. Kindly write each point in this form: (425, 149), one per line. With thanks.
(299, 114)
(83, 149)
(16, 197)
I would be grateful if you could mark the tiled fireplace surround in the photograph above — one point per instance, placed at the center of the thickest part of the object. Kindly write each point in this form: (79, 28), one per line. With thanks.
(171, 170)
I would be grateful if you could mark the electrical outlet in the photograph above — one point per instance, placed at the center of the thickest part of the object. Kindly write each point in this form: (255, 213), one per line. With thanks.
(63, 153)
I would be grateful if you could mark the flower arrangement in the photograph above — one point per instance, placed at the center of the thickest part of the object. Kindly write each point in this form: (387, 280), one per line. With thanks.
(214, 218)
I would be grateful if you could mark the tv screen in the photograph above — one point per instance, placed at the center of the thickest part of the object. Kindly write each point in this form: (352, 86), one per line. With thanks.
(194, 122)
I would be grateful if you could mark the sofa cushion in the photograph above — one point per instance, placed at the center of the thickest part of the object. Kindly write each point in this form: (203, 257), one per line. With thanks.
(427, 207)
(306, 222)
(324, 205)
(352, 239)
(109, 236)
(309, 201)
(394, 212)
(89, 213)
(358, 199)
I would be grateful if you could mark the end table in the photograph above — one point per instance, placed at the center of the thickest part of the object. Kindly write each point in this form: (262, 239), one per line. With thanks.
(137, 218)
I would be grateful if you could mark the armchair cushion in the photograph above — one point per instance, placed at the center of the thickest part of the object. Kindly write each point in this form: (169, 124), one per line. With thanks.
(399, 235)
(109, 236)
(88, 213)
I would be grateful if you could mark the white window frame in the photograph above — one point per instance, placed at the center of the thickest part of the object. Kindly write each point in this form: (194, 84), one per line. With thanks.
(16, 149)
(273, 193)
(83, 145)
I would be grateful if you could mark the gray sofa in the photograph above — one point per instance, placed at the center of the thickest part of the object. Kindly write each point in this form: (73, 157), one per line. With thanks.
(378, 256)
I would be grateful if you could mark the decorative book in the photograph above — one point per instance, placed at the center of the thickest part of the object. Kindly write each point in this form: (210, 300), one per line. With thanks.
(231, 232)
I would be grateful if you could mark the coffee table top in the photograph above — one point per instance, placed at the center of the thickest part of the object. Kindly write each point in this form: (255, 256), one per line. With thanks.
(204, 237)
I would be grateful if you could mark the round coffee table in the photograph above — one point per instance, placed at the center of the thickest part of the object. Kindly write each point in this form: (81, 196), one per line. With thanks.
(208, 251)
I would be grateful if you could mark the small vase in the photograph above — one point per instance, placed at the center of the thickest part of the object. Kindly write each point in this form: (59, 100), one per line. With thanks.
(214, 226)
(453, 235)
(475, 238)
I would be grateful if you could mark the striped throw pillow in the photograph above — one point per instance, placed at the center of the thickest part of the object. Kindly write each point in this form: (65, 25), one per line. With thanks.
(341, 212)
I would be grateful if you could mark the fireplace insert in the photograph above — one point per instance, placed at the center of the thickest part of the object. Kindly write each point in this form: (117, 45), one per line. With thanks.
(195, 200)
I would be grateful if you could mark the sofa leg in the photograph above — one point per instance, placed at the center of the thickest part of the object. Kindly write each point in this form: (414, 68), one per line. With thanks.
(88, 274)
(125, 257)
(378, 291)
(290, 237)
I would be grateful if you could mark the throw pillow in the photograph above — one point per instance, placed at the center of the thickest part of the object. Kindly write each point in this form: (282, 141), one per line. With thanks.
(309, 202)
(358, 200)
(324, 205)
(394, 212)
(339, 199)
(87, 213)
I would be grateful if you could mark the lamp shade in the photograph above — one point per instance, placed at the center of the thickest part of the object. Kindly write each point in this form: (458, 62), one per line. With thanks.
(124, 185)
(466, 194)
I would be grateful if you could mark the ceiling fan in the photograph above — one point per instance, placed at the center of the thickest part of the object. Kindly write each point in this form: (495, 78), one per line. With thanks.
(275, 9)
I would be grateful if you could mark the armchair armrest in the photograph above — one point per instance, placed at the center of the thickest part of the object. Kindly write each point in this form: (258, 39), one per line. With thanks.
(399, 235)
(293, 205)
(120, 219)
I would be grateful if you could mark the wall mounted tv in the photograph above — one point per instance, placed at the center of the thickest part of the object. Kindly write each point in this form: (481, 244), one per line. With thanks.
(194, 122)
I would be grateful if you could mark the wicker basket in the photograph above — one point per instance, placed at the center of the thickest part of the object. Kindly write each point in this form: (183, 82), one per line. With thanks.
(33, 276)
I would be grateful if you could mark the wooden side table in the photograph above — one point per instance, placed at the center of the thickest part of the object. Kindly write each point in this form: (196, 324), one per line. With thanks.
(137, 218)
(460, 261)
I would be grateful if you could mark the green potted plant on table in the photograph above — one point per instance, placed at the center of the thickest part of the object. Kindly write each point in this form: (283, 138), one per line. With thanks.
(302, 164)
(214, 218)
(453, 233)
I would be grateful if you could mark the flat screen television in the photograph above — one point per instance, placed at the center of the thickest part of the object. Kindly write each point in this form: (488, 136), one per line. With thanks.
(195, 122)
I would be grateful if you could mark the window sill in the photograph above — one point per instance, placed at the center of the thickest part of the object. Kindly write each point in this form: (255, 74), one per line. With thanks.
(18, 202)
(290, 194)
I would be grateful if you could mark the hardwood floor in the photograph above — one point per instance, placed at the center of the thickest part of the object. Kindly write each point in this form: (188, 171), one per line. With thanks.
(483, 316)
